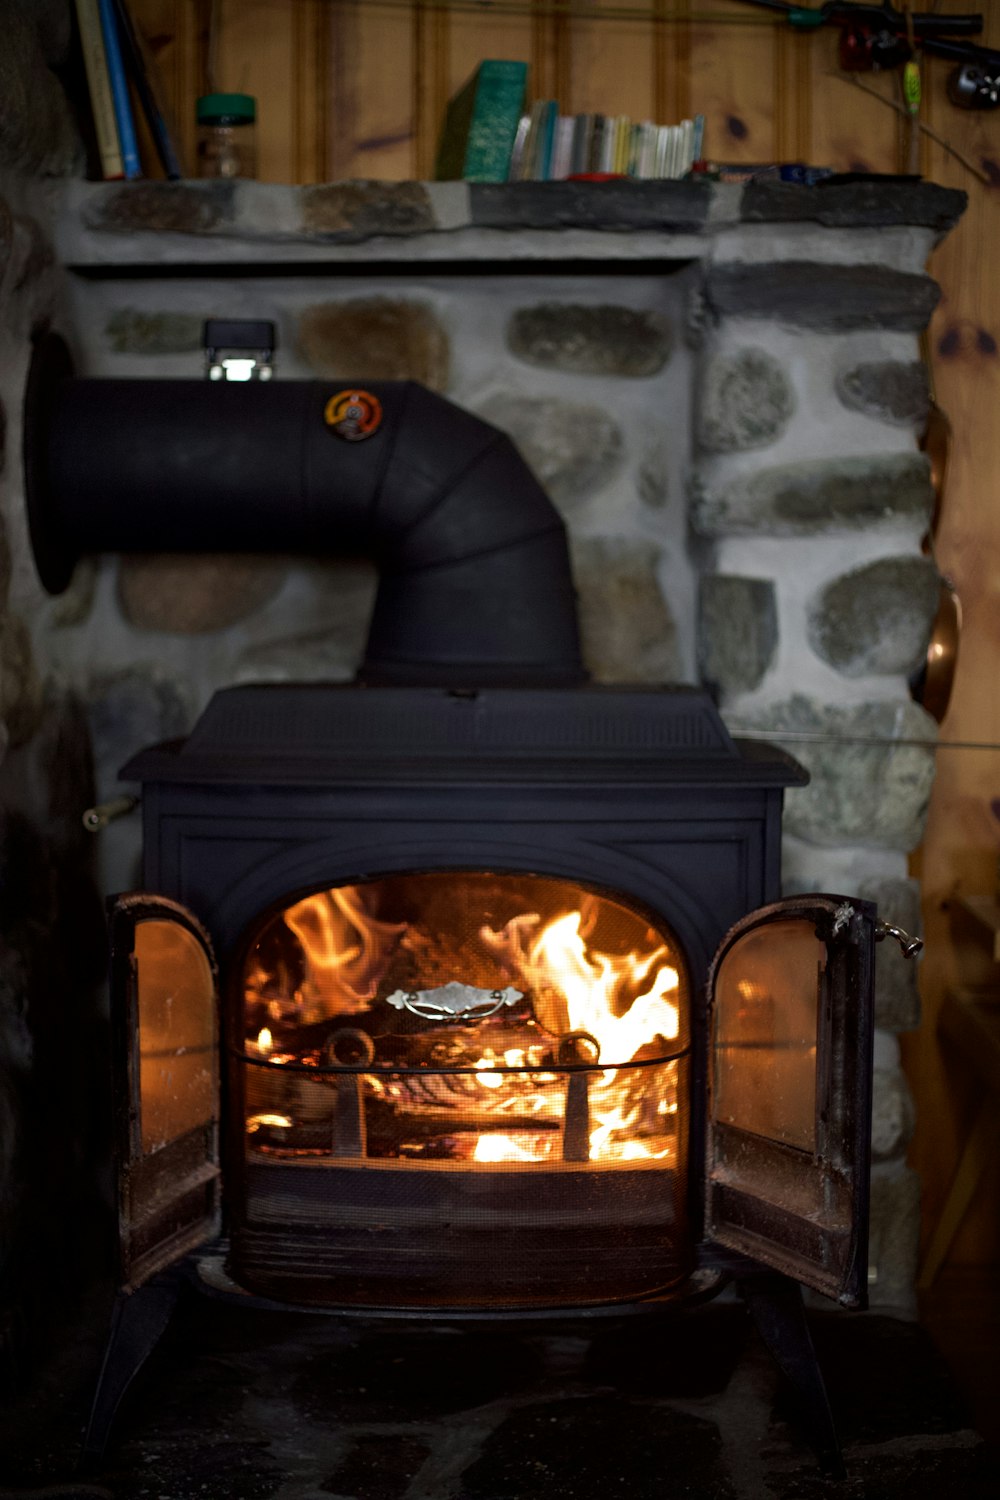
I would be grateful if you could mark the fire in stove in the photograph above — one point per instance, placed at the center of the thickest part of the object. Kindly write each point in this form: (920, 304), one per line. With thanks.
(463, 1018)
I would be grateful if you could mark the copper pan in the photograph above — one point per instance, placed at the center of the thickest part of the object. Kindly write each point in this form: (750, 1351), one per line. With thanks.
(931, 684)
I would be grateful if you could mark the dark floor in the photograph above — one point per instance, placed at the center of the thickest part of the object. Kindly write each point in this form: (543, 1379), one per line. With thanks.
(238, 1404)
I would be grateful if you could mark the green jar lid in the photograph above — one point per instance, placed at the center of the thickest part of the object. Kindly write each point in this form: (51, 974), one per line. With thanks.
(226, 109)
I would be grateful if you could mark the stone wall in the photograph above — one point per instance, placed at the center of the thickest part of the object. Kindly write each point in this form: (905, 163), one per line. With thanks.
(51, 948)
(721, 391)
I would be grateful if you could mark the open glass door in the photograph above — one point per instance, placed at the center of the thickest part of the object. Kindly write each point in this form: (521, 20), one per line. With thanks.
(789, 1109)
(164, 1014)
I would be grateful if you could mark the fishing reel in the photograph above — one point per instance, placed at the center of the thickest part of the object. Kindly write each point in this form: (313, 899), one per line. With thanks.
(975, 85)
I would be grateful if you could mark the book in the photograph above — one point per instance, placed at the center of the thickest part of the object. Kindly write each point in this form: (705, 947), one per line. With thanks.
(142, 74)
(99, 87)
(119, 92)
(481, 124)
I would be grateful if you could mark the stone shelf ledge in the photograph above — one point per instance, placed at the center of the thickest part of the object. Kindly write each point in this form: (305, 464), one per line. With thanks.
(112, 225)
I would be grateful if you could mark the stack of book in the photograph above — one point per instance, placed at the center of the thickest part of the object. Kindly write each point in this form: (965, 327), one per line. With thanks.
(549, 146)
(490, 135)
(116, 63)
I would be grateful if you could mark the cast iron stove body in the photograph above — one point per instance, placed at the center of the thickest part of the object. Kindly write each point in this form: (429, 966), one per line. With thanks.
(464, 1056)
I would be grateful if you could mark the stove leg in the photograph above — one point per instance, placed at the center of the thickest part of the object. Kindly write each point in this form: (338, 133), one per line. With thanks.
(776, 1307)
(138, 1321)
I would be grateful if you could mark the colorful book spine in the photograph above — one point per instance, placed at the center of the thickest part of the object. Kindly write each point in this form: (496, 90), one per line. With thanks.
(102, 106)
(131, 165)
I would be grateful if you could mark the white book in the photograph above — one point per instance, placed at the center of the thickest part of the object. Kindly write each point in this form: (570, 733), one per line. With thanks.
(563, 150)
(662, 136)
(687, 147)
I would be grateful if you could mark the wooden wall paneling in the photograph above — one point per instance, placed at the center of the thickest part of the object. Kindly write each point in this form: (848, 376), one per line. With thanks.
(733, 76)
(431, 30)
(850, 130)
(371, 116)
(473, 38)
(671, 58)
(793, 67)
(611, 69)
(311, 57)
(256, 55)
(962, 842)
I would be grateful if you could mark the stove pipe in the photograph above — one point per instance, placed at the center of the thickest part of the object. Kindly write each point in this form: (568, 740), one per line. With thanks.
(475, 587)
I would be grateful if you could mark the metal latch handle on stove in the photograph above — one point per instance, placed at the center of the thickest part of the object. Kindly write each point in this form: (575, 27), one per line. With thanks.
(909, 946)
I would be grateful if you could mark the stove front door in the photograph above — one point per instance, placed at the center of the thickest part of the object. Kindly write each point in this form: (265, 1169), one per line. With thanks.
(789, 1103)
(164, 1015)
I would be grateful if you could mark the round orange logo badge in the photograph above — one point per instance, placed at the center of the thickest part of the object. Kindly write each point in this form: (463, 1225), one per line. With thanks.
(353, 415)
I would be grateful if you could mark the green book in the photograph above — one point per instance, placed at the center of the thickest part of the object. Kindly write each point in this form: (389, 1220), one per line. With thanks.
(481, 123)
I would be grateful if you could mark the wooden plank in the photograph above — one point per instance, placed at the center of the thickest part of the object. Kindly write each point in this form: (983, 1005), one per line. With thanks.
(960, 846)
(431, 31)
(310, 106)
(371, 115)
(256, 55)
(611, 64)
(671, 57)
(850, 130)
(733, 78)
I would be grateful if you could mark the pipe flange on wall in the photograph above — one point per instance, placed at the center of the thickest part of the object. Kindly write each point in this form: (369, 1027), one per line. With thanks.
(475, 585)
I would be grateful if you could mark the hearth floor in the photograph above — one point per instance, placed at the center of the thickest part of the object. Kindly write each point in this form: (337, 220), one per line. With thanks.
(242, 1404)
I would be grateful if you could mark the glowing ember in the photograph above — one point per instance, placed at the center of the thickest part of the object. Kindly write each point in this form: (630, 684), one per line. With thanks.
(265, 1041)
(500, 1148)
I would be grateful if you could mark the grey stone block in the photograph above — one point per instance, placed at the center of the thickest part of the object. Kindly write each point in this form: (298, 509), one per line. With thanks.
(131, 331)
(893, 1114)
(591, 340)
(877, 618)
(887, 389)
(347, 212)
(675, 206)
(804, 499)
(627, 631)
(37, 133)
(893, 1236)
(163, 207)
(573, 450)
(194, 595)
(737, 631)
(897, 995)
(129, 710)
(823, 298)
(745, 401)
(868, 787)
(854, 205)
(376, 338)
(652, 478)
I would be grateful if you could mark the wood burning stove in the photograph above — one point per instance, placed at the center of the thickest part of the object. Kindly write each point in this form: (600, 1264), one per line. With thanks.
(492, 1031)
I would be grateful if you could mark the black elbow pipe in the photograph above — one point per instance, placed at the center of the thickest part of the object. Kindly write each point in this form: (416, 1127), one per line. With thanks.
(475, 586)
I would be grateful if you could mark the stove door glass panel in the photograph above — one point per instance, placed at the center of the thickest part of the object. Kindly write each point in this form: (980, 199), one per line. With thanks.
(766, 1012)
(164, 1001)
(790, 1100)
(176, 1032)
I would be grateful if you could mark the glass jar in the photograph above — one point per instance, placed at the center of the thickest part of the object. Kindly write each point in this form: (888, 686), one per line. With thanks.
(227, 135)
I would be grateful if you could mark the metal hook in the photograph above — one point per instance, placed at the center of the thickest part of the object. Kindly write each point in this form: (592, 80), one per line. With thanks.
(910, 946)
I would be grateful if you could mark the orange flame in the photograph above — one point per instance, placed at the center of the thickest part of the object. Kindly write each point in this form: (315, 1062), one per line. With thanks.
(347, 949)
